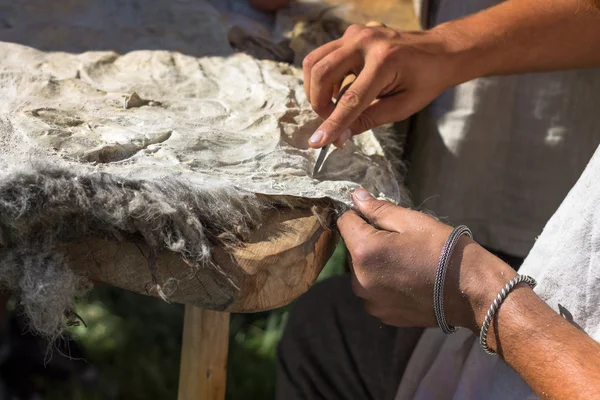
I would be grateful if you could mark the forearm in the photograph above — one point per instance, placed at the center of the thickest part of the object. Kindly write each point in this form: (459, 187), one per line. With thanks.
(520, 36)
(393, 267)
(556, 359)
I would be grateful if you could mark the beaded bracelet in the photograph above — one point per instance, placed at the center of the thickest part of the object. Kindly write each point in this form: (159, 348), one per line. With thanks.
(440, 277)
(496, 305)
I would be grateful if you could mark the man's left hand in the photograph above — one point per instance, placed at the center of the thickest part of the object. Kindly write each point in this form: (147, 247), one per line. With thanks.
(394, 260)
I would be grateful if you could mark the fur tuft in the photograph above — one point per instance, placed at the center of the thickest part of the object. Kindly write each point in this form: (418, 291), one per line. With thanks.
(41, 207)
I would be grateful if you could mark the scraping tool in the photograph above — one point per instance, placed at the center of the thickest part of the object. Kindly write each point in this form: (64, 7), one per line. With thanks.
(348, 80)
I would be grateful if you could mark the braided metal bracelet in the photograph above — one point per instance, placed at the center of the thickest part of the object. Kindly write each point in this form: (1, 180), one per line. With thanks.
(440, 277)
(496, 305)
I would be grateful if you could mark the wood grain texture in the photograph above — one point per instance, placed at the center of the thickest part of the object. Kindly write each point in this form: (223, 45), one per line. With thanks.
(203, 370)
(397, 14)
(281, 260)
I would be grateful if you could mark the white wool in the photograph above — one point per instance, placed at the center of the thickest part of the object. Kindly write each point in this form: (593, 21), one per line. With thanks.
(170, 147)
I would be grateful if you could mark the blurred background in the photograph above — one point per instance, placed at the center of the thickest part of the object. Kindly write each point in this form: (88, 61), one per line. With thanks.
(131, 347)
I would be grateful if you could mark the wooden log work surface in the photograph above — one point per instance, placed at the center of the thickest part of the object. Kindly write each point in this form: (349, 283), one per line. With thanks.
(279, 262)
(203, 373)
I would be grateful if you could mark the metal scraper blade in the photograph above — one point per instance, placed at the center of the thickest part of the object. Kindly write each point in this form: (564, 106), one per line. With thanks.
(344, 86)
(320, 159)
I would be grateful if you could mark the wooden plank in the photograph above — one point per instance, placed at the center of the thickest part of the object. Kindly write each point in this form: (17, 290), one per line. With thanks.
(203, 370)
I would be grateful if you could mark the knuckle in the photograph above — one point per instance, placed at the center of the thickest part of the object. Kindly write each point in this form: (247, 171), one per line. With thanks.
(361, 254)
(384, 51)
(321, 71)
(308, 62)
(367, 35)
(351, 99)
(392, 33)
(353, 29)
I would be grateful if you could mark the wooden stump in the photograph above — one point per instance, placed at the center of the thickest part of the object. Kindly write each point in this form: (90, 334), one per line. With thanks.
(281, 261)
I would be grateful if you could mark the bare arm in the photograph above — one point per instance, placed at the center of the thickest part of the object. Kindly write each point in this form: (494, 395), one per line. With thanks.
(401, 72)
(519, 36)
(393, 270)
(556, 359)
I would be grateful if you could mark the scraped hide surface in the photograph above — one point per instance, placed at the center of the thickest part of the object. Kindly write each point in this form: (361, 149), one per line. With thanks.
(231, 120)
(136, 118)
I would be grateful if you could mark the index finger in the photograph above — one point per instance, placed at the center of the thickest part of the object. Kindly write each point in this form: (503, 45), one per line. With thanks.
(354, 230)
(353, 102)
(314, 57)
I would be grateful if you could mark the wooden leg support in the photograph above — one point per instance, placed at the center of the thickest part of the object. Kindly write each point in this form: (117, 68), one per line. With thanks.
(203, 369)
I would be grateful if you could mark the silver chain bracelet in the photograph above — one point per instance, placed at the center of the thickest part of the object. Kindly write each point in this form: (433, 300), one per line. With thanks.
(440, 277)
(496, 305)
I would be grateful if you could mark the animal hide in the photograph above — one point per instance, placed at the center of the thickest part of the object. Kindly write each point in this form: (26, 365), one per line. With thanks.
(127, 118)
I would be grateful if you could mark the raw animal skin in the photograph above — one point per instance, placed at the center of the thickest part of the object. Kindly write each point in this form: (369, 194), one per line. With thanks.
(217, 115)
(231, 119)
(137, 118)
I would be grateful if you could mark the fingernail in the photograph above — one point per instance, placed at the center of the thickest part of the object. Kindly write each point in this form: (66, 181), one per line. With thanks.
(317, 137)
(362, 195)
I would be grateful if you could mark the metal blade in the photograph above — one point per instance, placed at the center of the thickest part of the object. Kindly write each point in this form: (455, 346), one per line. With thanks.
(320, 160)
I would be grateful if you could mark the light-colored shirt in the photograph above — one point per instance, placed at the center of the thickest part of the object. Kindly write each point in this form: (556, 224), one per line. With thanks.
(566, 263)
(499, 154)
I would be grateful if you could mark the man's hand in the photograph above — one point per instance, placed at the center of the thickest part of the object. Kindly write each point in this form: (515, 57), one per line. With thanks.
(398, 74)
(394, 266)
(401, 72)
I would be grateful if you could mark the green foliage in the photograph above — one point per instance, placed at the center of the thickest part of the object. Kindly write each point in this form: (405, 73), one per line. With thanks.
(135, 342)
(253, 344)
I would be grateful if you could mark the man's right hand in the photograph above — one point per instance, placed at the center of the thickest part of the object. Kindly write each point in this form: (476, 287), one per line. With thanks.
(399, 73)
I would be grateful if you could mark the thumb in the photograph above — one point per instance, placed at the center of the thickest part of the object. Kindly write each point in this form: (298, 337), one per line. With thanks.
(381, 213)
(354, 230)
